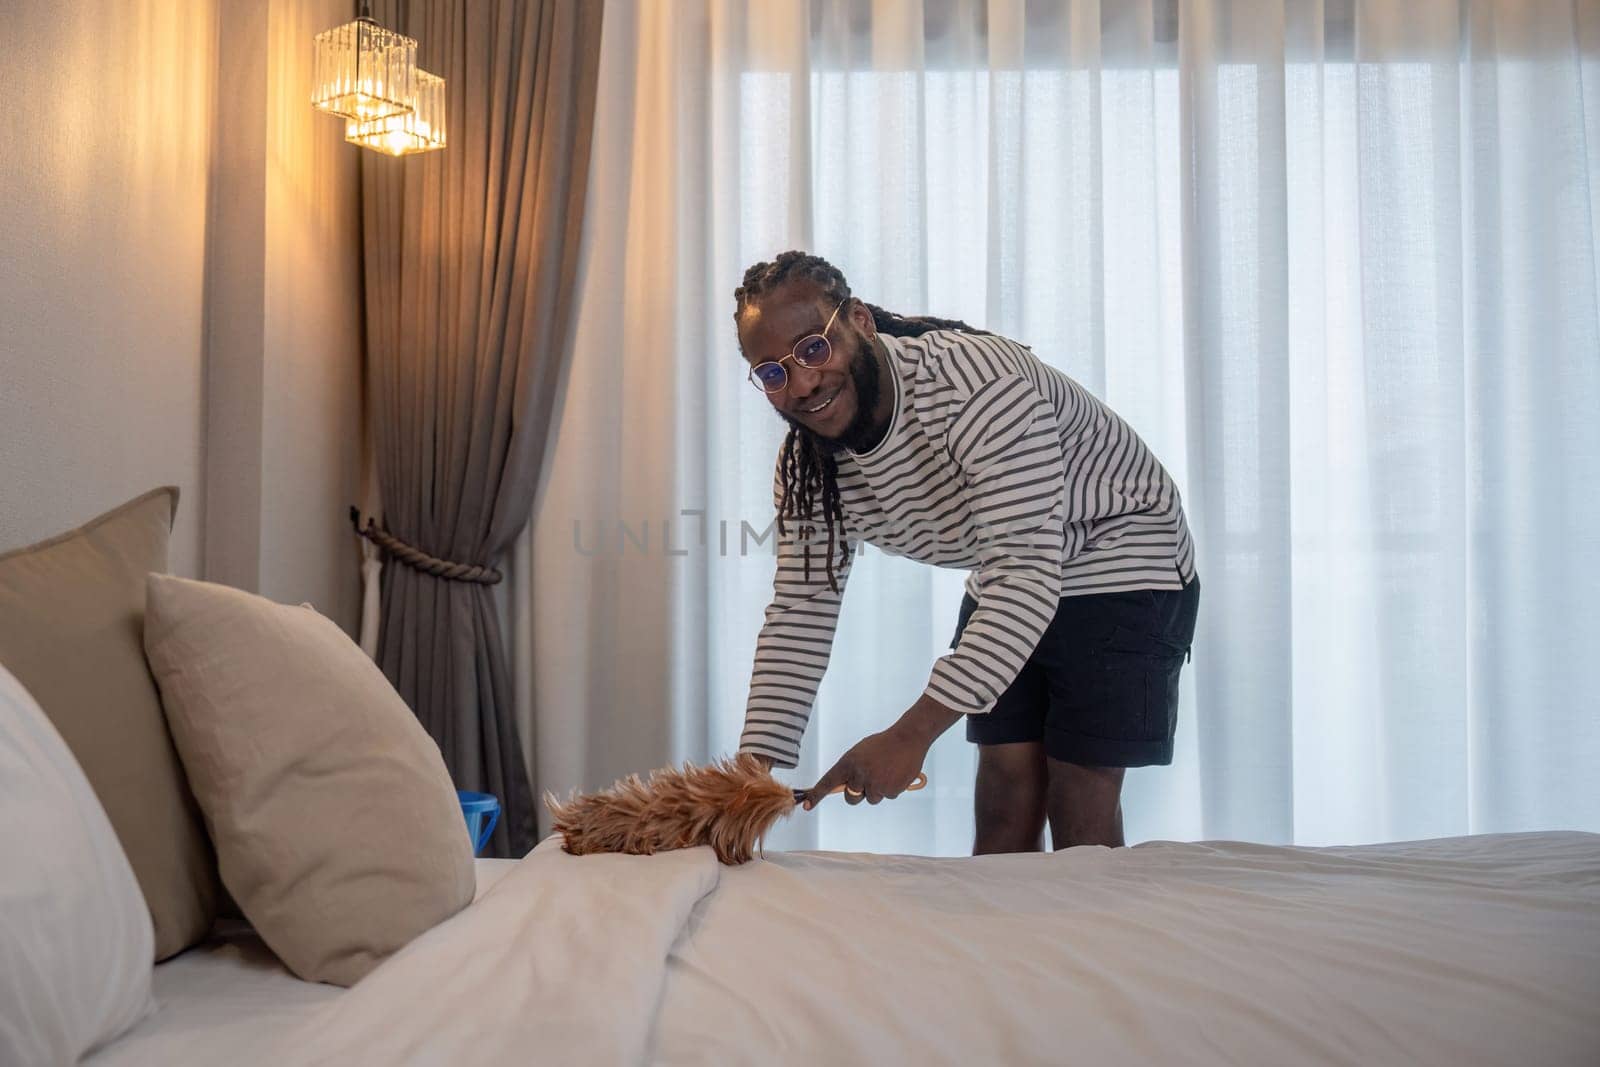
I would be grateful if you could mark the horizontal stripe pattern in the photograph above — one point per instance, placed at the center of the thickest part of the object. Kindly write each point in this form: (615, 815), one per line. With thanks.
(994, 463)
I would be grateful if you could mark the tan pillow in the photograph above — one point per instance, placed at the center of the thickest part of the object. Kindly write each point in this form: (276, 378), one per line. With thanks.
(337, 828)
(71, 630)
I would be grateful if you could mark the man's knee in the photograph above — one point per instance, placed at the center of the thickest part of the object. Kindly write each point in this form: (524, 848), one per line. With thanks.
(1015, 827)
(1085, 805)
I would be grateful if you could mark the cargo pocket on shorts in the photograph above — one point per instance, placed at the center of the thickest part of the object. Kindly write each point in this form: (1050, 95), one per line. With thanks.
(1141, 672)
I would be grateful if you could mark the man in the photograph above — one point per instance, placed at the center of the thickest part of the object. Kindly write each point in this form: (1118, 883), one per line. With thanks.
(960, 448)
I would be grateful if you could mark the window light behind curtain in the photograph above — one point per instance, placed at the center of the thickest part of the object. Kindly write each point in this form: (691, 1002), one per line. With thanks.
(1335, 262)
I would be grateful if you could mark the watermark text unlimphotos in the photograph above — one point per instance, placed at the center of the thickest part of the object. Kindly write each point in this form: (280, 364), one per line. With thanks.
(692, 532)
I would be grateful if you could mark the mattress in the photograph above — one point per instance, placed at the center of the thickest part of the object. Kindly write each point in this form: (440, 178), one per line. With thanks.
(227, 1000)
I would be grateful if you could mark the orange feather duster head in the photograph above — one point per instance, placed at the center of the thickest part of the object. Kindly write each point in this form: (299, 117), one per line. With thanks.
(729, 805)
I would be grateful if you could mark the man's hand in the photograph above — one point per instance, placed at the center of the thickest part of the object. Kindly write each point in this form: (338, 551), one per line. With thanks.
(881, 766)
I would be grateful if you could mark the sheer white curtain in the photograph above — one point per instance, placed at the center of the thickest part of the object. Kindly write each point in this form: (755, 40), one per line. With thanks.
(1336, 262)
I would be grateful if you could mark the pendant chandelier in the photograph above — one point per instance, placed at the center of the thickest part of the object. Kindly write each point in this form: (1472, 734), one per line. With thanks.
(419, 130)
(369, 76)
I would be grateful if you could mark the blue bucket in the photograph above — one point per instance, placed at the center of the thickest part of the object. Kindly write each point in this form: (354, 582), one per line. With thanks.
(482, 811)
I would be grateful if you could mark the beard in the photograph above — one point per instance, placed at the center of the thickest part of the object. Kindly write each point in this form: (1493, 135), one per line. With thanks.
(860, 435)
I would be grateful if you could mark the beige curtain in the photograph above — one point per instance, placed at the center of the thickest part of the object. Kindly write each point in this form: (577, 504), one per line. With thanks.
(470, 255)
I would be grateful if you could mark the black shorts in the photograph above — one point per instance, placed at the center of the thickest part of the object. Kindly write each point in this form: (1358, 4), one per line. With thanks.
(1101, 688)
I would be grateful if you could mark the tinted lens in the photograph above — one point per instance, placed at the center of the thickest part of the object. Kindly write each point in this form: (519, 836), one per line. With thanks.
(771, 376)
(812, 351)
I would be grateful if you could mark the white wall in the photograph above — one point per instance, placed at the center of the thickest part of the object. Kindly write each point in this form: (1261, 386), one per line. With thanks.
(105, 132)
(283, 391)
(179, 285)
(312, 397)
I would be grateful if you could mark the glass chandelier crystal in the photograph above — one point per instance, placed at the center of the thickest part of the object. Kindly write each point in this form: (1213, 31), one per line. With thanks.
(422, 129)
(363, 71)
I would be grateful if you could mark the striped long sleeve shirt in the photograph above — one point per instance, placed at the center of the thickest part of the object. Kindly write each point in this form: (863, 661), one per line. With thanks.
(994, 463)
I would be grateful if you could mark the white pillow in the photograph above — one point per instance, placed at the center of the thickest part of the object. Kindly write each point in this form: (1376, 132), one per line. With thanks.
(75, 935)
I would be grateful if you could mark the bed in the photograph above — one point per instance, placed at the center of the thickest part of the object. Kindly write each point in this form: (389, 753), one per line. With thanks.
(230, 1000)
(1481, 949)
(1472, 950)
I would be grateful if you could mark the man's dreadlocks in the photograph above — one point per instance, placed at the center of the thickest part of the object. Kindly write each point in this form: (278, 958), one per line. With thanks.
(808, 469)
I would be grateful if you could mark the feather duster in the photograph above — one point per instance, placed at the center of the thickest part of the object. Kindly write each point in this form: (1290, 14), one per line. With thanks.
(729, 805)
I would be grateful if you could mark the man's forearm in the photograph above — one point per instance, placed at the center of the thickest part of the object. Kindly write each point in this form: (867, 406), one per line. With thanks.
(926, 720)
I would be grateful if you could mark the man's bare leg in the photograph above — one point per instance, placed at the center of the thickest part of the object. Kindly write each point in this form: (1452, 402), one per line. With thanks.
(1009, 805)
(1085, 805)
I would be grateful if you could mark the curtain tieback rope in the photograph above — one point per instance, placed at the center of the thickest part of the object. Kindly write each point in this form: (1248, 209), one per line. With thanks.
(419, 560)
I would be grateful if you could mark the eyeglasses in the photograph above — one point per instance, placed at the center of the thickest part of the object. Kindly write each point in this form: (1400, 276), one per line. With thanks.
(813, 351)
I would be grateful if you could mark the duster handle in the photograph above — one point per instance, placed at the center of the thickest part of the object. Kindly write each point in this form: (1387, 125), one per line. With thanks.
(916, 783)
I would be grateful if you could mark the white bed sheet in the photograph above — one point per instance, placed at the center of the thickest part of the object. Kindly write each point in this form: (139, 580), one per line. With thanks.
(226, 1001)
(1481, 950)
(1477, 950)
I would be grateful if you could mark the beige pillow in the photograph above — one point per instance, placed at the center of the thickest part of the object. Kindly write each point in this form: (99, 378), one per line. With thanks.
(71, 630)
(337, 828)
